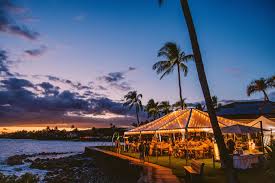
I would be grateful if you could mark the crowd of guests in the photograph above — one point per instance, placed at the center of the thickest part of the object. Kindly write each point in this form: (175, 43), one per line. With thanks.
(194, 148)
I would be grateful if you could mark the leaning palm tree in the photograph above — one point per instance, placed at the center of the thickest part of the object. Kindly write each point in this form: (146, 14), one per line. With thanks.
(165, 107)
(133, 99)
(173, 57)
(260, 85)
(225, 158)
(152, 109)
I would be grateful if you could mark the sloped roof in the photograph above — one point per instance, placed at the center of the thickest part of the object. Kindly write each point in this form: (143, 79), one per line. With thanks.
(240, 129)
(247, 109)
(180, 120)
(267, 123)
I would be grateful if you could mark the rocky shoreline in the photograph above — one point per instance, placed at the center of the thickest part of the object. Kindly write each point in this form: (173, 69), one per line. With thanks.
(79, 168)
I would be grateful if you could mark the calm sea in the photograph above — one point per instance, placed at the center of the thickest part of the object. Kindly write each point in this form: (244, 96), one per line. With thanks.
(10, 147)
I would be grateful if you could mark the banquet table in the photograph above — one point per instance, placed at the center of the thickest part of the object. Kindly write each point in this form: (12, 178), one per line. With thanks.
(245, 161)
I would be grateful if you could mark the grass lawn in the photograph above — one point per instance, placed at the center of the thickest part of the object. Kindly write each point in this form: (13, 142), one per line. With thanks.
(211, 175)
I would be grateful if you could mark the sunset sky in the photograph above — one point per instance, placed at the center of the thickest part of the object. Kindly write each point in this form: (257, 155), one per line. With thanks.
(71, 62)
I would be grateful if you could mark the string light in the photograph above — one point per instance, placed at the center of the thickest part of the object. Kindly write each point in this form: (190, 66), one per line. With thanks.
(177, 120)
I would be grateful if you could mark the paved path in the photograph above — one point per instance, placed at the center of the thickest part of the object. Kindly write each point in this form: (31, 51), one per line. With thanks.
(152, 173)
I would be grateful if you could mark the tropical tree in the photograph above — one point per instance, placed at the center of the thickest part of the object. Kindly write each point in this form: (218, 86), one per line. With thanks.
(215, 102)
(174, 57)
(152, 109)
(199, 106)
(165, 107)
(225, 158)
(177, 105)
(271, 81)
(133, 99)
(261, 85)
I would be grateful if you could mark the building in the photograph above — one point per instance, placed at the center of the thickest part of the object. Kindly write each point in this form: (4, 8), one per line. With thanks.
(247, 111)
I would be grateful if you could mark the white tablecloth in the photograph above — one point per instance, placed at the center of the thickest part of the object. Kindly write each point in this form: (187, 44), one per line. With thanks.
(245, 161)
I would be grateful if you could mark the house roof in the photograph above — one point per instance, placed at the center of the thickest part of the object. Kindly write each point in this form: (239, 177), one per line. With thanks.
(247, 109)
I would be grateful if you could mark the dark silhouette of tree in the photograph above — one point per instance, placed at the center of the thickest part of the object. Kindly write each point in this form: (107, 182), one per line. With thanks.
(173, 57)
(225, 158)
(133, 99)
(152, 109)
(271, 81)
(177, 105)
(261, 85)
(165, 107)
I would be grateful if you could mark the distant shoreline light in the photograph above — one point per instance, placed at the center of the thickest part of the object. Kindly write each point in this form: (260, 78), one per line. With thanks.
(9, 129)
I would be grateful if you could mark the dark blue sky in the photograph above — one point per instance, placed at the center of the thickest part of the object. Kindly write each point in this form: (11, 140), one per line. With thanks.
(86, 40)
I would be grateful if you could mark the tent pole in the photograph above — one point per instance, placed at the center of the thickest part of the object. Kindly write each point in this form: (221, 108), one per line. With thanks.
(262, 135)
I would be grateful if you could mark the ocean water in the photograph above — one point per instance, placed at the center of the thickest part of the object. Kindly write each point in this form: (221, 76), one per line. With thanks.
(10, 147)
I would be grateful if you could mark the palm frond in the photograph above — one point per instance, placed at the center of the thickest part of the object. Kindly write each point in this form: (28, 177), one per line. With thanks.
(184, 69)
(167, 72)
(187, 58)
(251, 89)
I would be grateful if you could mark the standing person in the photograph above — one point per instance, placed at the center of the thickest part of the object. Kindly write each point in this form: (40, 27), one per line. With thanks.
(147, 149)
(127, 145)
(141, 151)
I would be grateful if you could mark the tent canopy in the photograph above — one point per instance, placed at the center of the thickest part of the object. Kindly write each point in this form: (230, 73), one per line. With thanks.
(267, 123)
(178, 121)
(240, 129)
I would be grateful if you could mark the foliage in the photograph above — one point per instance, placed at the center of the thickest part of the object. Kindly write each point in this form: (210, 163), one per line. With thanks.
(177, 105)
(173, 57)
(152, 109)
(261, 85)
(133, 99)
(102, 134)
(165, 107)
(26, 178)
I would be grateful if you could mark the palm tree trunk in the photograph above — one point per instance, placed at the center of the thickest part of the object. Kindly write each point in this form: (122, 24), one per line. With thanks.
(265, 96)
(181, 100)
(226, 159)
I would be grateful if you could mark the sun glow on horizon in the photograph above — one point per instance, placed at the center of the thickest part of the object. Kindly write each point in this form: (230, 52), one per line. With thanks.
(10, 129)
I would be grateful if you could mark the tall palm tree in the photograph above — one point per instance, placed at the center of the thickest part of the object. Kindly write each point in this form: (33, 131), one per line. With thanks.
(227, 160)
(133, 99)
(174, 57)
(152, 109)
(165, 107)
(260, 85)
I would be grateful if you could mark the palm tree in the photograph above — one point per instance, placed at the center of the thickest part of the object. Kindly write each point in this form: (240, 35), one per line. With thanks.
(260, 85)
(226, 159)
(177, 105)
(215, 102)
(132, 98)
(152, 109)
(271, 81)
(174, 57)
(165, 107)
